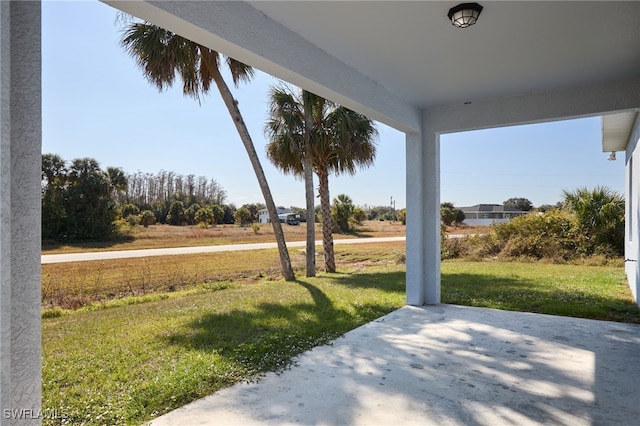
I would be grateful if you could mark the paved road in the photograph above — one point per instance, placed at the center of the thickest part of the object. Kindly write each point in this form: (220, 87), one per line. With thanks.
(123, 254)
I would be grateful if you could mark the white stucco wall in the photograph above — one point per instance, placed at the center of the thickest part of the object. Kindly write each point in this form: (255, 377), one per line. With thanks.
(263, 216)
(20, 169)
(632, 223)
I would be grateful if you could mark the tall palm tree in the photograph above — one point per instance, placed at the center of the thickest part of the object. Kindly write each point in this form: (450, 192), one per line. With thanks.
(162, 54)
(290, 129)
(338, 140)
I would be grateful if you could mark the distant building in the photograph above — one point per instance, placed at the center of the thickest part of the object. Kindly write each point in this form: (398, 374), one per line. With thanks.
(487, 214)
(284, 215)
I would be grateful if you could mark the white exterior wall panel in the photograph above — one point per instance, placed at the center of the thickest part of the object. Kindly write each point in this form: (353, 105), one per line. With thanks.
(20, 177)
(632, 222)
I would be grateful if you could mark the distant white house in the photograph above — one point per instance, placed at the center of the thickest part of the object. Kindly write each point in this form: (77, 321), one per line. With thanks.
(263, 215)
(487, 214)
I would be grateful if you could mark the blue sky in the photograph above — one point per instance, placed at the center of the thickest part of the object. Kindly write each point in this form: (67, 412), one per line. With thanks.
(97, 104)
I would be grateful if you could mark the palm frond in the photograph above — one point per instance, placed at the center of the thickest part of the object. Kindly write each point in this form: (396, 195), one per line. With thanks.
(209, 60)
(352, 138)
(162, 54)
(147, 45)
(285, 131)
(240, 72)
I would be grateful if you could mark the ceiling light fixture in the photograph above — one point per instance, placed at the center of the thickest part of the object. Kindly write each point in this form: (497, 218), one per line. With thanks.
(612, 156)
(465, 14)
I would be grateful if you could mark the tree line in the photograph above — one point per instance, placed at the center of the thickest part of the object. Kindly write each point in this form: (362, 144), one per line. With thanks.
(78, 199)
(173, 198)
(83, 202)
(147, 189)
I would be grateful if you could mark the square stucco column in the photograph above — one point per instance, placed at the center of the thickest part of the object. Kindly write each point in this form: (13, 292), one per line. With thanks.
(20, 171)
(423, 218)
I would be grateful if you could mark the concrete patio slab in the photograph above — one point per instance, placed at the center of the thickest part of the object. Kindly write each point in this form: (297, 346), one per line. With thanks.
(446, 365)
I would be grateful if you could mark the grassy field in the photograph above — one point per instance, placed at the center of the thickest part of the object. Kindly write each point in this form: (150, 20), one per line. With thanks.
(127, 340)
(126, 364)
(158, 236)
(92, 284)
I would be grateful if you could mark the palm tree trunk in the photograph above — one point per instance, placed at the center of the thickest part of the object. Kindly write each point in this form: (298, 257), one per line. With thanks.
(327, 231)
(311, 219)
(308, 186)
(232, 106)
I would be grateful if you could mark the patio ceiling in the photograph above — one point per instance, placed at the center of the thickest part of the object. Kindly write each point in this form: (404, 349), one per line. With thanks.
(393, 59)
(411, 48)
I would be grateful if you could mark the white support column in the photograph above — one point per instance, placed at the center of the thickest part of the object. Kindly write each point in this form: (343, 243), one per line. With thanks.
(423, 218)
(20, 174)
(415, 224)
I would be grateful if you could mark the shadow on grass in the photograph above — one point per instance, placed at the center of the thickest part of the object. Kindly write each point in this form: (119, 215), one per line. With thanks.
(518, 294)
(267, 336)
(53, 245)
(358, 233)
(391, 282)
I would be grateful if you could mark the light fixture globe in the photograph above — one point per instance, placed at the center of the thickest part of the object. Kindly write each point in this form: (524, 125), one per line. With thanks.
(465, 14)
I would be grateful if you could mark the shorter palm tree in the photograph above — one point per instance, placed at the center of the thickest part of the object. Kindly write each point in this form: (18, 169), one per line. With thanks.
(600, 214)
(307, 129)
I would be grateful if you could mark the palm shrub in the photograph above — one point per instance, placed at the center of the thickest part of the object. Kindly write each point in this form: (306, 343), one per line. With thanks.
(358, 216)
(190, 213)
(243, 216)
(600, 216)
(129, 210)
(176, 213)
(342, 212)
(402, 216)
(450, 215)
(147, 217)
(204, 216)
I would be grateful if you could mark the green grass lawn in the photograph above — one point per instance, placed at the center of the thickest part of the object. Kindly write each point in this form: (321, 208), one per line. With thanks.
(127, 364)
(124, 363)
(570, 290)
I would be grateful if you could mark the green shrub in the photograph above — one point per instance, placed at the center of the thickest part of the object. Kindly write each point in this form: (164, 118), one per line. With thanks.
(129, 210)
(553, 235)
(132, 219)
(453, 248)
(123, 228)
(402, 216)
(482, 246)
(147, 217)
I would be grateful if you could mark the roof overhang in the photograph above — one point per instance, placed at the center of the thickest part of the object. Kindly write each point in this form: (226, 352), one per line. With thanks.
(398, 62)
(616, 130)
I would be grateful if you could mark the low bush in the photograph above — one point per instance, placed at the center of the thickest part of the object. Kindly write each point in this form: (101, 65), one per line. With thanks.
(554, 236)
